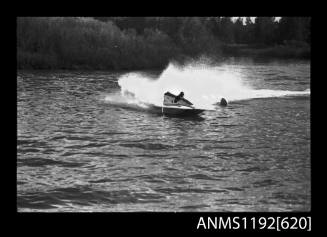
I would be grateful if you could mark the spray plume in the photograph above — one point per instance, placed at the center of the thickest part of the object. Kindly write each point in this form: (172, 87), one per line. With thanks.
(203, 84)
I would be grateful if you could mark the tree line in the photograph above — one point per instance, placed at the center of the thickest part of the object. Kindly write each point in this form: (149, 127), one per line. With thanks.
(151, 42)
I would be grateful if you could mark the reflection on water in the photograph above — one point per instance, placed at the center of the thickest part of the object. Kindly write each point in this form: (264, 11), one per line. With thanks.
(75, 152)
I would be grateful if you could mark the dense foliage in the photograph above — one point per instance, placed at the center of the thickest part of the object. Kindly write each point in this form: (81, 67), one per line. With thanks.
(151, 42)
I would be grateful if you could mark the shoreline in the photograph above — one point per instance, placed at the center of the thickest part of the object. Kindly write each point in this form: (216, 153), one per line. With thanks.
(281, 51)
(234, 52)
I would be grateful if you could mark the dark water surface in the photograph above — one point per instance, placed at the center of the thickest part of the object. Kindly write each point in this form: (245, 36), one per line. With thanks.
(75, 152)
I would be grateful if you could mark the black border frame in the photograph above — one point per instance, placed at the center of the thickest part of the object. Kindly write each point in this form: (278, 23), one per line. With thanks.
(108, 223)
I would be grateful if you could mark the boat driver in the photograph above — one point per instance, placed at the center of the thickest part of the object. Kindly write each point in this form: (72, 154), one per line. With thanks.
(179, 97)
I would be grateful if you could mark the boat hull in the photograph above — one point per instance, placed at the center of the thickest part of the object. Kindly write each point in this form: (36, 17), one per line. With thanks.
(168, 110)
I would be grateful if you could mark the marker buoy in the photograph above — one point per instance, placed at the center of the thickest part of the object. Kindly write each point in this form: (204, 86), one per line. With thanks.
(223, 102)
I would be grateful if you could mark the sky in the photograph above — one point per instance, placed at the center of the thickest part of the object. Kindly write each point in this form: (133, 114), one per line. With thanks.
(252, 18)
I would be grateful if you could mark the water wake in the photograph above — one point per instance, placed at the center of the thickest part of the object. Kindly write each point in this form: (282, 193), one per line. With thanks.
(202, 84)
(125, 100)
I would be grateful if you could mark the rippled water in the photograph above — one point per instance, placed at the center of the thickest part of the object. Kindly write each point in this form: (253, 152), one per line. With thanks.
(75, 152)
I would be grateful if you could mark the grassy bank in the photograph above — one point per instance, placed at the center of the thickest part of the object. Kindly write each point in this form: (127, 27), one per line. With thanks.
(35, 60)
(87, 43)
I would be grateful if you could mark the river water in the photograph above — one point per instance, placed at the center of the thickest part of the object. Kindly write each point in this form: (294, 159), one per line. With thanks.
(77, 151)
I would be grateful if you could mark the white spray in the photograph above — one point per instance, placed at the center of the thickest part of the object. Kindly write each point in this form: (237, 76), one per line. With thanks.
(204, 85)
